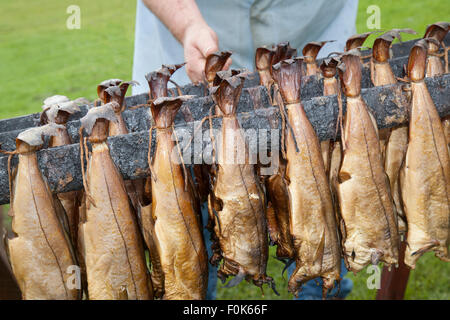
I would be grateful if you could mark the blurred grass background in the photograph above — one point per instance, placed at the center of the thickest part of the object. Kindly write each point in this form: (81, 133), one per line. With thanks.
(40, 57)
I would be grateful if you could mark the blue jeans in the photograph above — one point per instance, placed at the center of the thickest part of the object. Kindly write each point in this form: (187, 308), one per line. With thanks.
(312, 290)
(212, 271)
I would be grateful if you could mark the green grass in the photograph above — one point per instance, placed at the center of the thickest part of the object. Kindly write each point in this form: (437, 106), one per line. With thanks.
(39, 57)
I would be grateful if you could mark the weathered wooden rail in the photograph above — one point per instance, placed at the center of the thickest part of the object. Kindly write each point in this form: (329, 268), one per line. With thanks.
(61, 165)
(311, 87)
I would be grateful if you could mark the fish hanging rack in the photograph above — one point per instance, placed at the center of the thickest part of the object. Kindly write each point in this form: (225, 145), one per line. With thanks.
(61, 165)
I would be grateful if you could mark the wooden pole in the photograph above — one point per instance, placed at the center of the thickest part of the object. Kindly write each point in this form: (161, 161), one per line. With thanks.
(394, 282)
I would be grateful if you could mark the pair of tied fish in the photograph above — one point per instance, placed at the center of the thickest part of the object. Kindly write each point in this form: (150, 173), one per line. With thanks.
(172, 223)
(312, 223)
(420, 192)
(166, 207)
(45, 225)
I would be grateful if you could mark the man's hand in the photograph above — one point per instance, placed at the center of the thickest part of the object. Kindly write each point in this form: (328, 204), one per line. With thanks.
(199, 41)
(185, 22)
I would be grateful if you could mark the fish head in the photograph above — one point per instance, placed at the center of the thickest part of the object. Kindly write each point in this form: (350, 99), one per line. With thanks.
(350, 75)
(226, 95)
(417, 60)
(158, 80)
(382, 44)
(311, 50)
(288, 75)
(96, 121)
(328, 67)
(215, 62)
(164, 110)
(32, 139)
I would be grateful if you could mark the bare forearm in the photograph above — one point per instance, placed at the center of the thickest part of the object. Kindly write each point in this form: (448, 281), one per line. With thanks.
(177, 15)
(184, 20)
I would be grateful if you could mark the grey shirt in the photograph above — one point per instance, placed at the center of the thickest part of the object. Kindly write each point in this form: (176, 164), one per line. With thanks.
(242, 26)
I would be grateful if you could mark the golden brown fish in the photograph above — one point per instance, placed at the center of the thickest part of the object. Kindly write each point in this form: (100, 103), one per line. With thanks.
(369, 226)
(263, 64)
(215, 62)
(177, 227)
(312, 220)
(115, 260)
(57, 110)
(334, 155)
(397, 138)
(135, 188)
(41, 254)
(236, 204)
(330, 87)
(310, 52)
(357, 40)
(277, 212)
(438, 31)
(425, 178)
(157, 82)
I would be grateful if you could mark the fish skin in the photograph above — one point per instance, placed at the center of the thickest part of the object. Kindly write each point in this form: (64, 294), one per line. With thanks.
(394, 158)
(179, 239)
(237, 204)
(311, 212)
(148, 232)
(364, 195)
(446, 125)
(426, 185)
(369, 226)
(312, 219)
(279, 230)
(393, 141)
(277, 213)
(240, 223)
(40, 253)
(113, 250)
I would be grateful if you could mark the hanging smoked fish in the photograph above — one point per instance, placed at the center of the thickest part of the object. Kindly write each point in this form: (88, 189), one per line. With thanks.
(310, 52)
(41, 254)
(135, 188)
(312, 220)
(369, 227)
(438, 31)
(425, 177)
(283, 51)
(328, 69)
(277, 212)
(215, 62)
(357, 40)
(394, 147)
(236, 204)
(330, 87)
(177, 227)
(57, 109)
(263, 64)
(214, 65)
(115, 260)
(157, 82)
